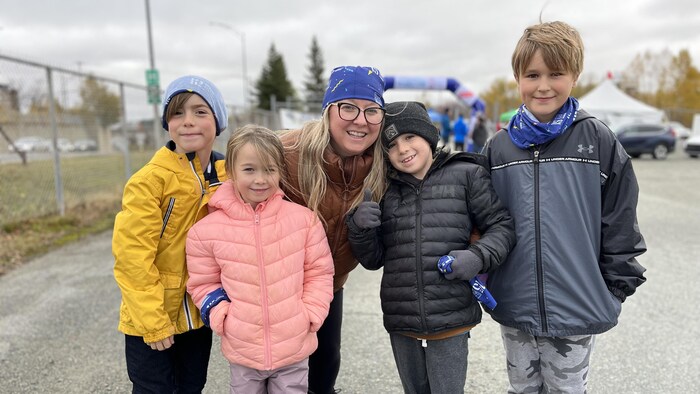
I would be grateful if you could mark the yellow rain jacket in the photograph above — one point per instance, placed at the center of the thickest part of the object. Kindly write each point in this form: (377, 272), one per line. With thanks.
(160, 204)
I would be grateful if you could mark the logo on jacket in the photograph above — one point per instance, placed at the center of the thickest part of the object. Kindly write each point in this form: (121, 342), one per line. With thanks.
(581, 148)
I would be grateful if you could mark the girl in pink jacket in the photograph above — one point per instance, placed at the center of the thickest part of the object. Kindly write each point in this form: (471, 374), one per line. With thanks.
(260, 269)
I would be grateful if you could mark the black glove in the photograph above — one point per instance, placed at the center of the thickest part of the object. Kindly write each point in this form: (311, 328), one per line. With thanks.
(368, 215)
(466, 265)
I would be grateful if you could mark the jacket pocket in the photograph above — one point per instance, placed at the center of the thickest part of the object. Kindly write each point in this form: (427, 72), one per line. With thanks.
(167, 215)
(170, 280)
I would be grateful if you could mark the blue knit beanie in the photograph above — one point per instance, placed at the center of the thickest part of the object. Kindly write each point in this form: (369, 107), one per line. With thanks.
(354, 82)
(204, 89)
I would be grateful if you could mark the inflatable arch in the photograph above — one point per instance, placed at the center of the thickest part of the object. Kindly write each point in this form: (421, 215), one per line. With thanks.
(438, 83)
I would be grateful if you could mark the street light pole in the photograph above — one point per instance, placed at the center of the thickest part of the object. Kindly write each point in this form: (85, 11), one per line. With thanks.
(156, 123)
(244, 65)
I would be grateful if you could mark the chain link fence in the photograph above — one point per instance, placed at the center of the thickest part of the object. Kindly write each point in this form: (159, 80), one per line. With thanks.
(69, 138)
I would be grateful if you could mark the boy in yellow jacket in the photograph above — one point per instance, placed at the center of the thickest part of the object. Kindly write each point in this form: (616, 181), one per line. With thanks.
(167, 346)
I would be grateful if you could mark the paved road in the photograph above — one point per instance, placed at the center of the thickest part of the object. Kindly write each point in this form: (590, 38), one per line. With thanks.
(58, 315)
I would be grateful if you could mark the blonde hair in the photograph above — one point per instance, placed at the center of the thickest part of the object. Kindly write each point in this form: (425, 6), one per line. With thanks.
(176, 104)
(314, 139)
(560, 45)
(267, 145)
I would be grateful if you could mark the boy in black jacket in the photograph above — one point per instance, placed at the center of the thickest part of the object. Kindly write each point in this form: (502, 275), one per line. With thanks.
(432, 203)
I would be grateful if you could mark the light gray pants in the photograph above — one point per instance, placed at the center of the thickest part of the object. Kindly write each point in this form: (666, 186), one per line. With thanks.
(290, 379)
(546, 364)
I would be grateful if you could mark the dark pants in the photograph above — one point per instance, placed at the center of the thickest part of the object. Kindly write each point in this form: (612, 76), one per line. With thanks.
(434, 366)
(324, 363)
(180, 369)
(459, 146)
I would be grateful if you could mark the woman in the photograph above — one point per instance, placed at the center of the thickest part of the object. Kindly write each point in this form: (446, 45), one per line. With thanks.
(331, 161)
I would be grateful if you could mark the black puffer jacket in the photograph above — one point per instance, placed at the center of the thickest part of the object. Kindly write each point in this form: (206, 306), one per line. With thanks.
(423, 220)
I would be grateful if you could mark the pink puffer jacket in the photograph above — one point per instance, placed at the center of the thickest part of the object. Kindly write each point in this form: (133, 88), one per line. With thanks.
(277, 269)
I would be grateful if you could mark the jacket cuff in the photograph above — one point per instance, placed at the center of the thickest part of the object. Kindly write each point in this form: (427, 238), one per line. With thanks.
(475, 249)
(619, 294)
(159, 335)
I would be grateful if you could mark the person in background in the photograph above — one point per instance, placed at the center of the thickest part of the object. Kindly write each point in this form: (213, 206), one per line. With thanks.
(445, 127)
(434, 200)
(331, 161)
(167, 346)
(460, 129)
(479, 134)
(260, 269)
(573, 193)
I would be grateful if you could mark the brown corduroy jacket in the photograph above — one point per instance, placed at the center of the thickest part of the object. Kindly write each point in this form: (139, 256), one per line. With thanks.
(345, 179)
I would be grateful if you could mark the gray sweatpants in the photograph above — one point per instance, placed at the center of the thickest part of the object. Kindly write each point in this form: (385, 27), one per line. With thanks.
(546, 364)
(432, 366)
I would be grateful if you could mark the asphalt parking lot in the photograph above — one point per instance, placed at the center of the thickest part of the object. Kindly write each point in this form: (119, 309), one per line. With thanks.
(58, 315)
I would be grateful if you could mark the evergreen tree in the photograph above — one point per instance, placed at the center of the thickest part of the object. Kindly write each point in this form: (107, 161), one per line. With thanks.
(315, 84)
(273, 81)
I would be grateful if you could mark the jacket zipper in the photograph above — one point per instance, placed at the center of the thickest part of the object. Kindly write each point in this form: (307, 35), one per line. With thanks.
(188, 312)
(538, 245)
(419, 262)
(166, 217)
(263, 296)
(341, 223)
(202, 192)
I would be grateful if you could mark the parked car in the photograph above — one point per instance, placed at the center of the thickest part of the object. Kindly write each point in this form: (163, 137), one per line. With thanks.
(31, 144)
(64, 145)
(641, 138)
(692, 146)
(85, 144)
(682, 132)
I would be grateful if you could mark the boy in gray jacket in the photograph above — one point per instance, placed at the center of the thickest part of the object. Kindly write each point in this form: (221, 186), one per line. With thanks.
(572, 192)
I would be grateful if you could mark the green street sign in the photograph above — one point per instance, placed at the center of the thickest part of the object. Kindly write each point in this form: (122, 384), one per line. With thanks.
(153, 86)
(152, 77)
(153, 94)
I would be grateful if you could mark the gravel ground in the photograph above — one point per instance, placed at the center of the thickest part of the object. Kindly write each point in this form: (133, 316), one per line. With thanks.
(59, 312)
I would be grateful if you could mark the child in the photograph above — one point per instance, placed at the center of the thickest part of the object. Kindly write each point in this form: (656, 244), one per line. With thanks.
(572, 191)
(261, 269)
(167, 346)
(433, 202)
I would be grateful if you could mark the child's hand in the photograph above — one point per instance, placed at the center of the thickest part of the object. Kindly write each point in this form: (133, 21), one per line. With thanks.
(162, 345)
(465, 266)
(368, 214)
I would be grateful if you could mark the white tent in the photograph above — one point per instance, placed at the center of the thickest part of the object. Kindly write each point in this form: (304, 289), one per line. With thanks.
(615, 108)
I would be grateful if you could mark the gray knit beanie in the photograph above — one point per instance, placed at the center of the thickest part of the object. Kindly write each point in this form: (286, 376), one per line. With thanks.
(403, 117)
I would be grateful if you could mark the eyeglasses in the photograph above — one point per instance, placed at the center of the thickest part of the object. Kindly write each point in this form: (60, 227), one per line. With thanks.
(350, 112)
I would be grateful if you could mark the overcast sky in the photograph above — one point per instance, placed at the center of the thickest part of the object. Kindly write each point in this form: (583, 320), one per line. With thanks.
(471, 41)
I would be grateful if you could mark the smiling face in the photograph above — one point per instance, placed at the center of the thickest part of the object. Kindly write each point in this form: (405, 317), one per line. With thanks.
(193, 127)
(542, 90)
(411, 154)
(352, 137)
(255, 179)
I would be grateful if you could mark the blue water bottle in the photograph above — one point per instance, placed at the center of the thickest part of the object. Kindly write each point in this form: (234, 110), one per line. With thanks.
(478, 288)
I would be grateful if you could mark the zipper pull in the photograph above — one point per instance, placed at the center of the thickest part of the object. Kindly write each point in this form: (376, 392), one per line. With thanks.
(537, 156)
(424, 342)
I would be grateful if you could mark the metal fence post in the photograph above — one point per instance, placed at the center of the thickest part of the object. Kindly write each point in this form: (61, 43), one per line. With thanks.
(56, 157)
(125, 133)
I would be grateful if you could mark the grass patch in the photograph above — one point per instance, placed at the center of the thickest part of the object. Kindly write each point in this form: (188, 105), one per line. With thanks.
(30, 224)
(20, 241)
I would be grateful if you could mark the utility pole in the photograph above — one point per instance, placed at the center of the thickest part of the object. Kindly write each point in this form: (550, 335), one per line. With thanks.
(153, 83)
(244, 65)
